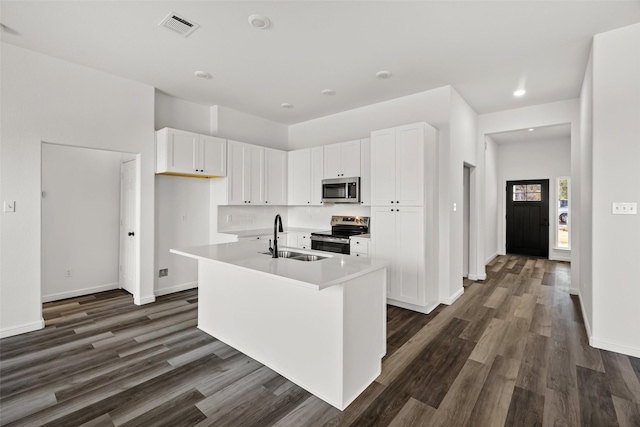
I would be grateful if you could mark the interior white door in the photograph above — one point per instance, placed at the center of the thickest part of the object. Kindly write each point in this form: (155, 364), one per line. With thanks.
(128, 231)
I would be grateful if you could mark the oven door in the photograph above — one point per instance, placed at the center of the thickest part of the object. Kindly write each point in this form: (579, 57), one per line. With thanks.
(330, 244)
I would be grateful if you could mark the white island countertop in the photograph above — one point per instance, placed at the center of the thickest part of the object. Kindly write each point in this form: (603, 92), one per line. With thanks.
(317, 275)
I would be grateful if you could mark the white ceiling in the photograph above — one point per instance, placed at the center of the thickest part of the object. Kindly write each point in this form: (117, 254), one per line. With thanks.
(555, 132)
(484, 49)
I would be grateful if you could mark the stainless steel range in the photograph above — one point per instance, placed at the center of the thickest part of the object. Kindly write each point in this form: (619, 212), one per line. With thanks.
(337, 239)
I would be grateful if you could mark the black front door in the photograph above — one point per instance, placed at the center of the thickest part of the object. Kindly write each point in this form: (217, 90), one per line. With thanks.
(528, 217)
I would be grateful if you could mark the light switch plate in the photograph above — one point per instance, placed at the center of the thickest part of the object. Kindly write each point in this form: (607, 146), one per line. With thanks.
(9, 206)
(625, 208)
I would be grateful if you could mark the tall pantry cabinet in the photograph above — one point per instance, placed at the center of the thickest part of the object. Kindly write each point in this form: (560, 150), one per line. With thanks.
(404, 213)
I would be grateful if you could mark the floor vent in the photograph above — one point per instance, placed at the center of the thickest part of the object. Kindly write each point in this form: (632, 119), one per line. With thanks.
(179, 24)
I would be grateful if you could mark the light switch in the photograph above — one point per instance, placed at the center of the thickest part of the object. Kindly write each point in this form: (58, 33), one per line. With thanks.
(625, 208)
(9, 206)
(455, 207)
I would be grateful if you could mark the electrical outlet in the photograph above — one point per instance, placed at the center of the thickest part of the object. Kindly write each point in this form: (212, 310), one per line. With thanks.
(68, 272)
(229, 218)
(163, 272)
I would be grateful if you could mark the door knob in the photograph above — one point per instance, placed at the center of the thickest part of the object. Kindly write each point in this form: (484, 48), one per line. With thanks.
(131, 233)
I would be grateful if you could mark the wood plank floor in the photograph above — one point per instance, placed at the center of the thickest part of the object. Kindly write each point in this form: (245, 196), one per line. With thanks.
(512, 351)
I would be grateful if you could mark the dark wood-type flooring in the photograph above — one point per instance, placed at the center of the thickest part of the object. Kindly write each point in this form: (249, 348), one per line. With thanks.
(511, 351)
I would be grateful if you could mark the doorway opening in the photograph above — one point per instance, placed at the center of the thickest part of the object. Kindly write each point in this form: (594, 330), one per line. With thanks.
(82, 220)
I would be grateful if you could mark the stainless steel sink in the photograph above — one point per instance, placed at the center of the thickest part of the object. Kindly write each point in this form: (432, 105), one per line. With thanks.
(299, 256)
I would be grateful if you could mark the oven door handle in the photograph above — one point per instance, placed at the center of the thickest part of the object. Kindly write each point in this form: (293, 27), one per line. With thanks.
(329, 239)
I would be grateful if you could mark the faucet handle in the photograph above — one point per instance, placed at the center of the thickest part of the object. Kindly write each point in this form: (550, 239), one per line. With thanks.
(270, 248)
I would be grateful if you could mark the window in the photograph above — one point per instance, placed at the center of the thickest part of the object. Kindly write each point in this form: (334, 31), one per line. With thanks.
(527, 193)
(563, 213)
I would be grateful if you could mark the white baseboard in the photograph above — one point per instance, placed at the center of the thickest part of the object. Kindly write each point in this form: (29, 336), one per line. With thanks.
(574, 291)
(491, 258)
(177, 288)
(471, 276)
(611, 346)
(22, 329)
(453, 298)
(555, 255)
(80, 292)
(144, 300)
(482, 276)
(419, 308)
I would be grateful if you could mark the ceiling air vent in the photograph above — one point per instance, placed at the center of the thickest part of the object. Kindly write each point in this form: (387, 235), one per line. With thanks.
(179, 24)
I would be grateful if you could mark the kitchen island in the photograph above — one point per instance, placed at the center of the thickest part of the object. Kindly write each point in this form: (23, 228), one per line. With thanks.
(320, 324)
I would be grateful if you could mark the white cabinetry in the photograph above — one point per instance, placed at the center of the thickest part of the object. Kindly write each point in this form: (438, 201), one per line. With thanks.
(342, 159)
(404, 213)
(189, 154)
(398, 164)
(275, 176)
(398, 238)
(257, 175)
(359, 246)
(365, 172)
(305, 176)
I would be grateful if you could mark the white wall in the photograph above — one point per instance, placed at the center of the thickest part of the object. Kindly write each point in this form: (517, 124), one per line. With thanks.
(582, 161)
(180, 114)
(80, 221)
(319, 217)
(182, 208)
(547, 159)
(182, 220)
(554, 113)
(431, 106)
(239, 218)
(491, 188)
(616, 178)
(232, 124)
(463, 150)
(44, 99)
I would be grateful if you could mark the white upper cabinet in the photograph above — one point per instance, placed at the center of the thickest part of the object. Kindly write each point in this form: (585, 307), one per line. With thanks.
(305, 176)
(186, 153)
(342, 159)
(257, 175)
(275, 173)
(398, 165)
(365, 172)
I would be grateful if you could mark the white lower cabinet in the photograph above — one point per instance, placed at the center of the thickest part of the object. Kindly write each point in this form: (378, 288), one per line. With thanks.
(398, 237)
(304, 240)
(359, 247)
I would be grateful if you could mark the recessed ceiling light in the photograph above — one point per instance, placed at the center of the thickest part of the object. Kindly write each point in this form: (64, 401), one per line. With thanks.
(259, 21)
(202, 75)
(531, 129)
(519, 92)
(328, 92)
(384, 74)
(286, 105)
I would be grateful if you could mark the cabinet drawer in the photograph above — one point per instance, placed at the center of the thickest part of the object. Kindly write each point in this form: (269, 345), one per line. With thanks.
(359, 246)
(304, 241)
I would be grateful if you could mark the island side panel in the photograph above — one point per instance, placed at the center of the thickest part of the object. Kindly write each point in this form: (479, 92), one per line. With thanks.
(365, 341)
(293, 330)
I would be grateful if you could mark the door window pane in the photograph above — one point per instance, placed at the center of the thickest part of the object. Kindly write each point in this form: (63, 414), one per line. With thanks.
(527, 193)
(563, 213)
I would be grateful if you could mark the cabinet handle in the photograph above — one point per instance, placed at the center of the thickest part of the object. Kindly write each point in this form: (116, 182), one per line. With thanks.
(308, 202)
(392, 201)
(131, 233)
(397, 201)
(357, 243)
(397, 210)
(266, 201)
(391, 210)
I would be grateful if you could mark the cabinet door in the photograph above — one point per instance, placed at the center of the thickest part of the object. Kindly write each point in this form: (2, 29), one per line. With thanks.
(410, 165)
(365, 172)
(304, 240)
(255, 173)
(351, 158)
(383, 242)
(317, 164)
(182, 151)
(409, 267)
(299, 177)
(237, 169)
(275, 173)
(332, 161)
(383, 168)
(212, 156)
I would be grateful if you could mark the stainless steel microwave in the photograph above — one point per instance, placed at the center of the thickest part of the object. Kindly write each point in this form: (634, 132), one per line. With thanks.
(341, 190)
